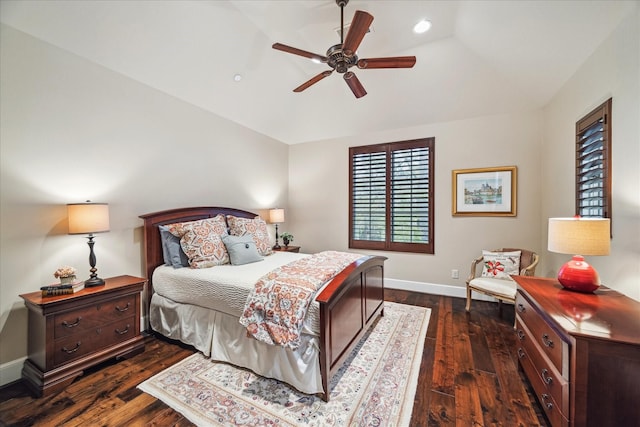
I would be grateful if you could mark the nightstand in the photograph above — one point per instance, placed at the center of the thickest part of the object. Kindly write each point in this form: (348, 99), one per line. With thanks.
(70, 333)
(288, 249)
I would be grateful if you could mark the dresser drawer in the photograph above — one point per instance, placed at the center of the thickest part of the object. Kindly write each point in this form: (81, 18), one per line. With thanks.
(92, 316)
(88, 341)
(549, 405)
(552, 344)
(551, 379)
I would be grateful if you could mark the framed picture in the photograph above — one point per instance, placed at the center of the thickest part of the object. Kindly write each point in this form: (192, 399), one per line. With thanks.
(485, 191)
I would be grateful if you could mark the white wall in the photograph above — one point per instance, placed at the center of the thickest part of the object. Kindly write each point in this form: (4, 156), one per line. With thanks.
(612, 71)
(72, 130)
(318, 194)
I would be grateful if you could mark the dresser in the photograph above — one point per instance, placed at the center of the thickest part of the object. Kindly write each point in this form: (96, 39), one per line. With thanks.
(70, 333)
(580, 352)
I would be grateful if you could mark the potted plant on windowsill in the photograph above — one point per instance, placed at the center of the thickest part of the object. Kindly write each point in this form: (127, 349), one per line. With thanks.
(286, 238)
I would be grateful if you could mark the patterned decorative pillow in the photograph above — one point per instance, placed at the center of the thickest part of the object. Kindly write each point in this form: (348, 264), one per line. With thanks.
(256, 227)
(500, 265)
(202, 241)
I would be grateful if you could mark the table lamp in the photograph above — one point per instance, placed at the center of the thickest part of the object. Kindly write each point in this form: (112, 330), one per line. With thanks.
(89, 218)
(584, 236)
(276, 216)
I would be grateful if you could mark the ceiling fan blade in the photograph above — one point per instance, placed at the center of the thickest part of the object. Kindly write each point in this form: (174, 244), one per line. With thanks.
(296, 51)
(313, 81)
(354, 84)
(359, 26)
(391, 62)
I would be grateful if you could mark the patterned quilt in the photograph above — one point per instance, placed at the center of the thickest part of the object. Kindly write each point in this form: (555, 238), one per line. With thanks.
(276, 308)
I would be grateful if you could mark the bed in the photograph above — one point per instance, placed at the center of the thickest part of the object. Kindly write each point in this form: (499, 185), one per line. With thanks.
(343, 309)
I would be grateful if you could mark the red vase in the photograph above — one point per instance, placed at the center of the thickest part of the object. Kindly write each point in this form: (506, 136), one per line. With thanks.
(578, 275)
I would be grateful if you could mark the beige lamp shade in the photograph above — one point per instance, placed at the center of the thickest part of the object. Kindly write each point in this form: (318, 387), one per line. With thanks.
(584, 236)
(87, 218)
(276, 216)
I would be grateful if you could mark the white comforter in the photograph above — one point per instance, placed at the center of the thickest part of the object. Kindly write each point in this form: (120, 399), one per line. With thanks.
(224, 288)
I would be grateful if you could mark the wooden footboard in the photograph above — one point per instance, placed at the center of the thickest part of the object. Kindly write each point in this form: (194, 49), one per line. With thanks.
(349, 305)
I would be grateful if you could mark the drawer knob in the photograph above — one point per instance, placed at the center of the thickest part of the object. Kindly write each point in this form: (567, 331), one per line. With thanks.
(545, 402)
(73, 350)
(125, 308)
(521, 308)
(546, 341)
(71, 325)
(521, 353)
(520, 334)
(123, 331)
(545, 376)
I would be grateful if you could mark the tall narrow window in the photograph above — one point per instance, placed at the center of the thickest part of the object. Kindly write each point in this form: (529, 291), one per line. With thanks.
(391, 196)
(593, 163)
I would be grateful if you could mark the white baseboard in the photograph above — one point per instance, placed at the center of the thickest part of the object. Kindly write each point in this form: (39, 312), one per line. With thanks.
(434, 289)
(11, 371)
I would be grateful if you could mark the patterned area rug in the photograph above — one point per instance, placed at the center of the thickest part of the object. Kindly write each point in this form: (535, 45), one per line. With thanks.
(375, 387)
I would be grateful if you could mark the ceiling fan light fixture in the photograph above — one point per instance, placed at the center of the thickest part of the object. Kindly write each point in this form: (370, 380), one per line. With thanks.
(422, 27)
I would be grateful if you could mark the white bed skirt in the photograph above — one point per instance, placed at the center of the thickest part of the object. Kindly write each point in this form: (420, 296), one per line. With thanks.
(221, 337)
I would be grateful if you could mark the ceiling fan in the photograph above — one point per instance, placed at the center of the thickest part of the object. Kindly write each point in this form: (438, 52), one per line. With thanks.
(341, 57)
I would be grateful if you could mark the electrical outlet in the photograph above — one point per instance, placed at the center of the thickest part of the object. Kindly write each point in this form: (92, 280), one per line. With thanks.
(454, 274)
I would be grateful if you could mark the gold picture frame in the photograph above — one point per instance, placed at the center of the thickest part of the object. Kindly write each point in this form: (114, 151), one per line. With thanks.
(485, 191)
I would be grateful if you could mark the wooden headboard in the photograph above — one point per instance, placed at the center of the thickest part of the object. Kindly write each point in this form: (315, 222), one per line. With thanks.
(152, 245)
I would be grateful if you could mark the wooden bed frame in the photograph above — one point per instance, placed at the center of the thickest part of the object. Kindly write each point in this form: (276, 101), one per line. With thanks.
(349, 304)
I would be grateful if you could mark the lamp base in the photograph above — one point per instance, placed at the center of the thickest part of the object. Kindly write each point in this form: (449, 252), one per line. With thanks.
(577, 275)
(93, 281)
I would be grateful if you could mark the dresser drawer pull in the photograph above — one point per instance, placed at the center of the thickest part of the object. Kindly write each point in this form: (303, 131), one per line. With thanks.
(123, 309)
(549, 405)
(547, 341)
(71, 325)
(545, 376)
(521, 353)
(521, 308)
(124, 331)
(520, 334)
(73, 350)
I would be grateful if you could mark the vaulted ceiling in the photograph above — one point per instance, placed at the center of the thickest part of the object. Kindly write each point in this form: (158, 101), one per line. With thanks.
(479, 58)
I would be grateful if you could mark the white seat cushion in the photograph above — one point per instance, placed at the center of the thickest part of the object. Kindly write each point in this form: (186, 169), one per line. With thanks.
(506, 287)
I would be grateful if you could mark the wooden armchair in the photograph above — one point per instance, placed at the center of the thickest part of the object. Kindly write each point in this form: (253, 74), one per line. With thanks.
(504, 289)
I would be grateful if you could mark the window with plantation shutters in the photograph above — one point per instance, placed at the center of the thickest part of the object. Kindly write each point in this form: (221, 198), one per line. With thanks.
(593, 163)
(391, 196)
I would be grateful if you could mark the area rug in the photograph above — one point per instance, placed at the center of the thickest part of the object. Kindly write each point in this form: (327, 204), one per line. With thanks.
(375, 387)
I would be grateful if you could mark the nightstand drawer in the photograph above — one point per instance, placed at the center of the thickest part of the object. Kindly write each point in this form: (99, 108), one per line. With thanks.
(552, 344)
(92, 316)
(88, 341)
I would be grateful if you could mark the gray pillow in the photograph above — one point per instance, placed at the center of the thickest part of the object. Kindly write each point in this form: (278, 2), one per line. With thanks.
(241, 249)
(171, 251)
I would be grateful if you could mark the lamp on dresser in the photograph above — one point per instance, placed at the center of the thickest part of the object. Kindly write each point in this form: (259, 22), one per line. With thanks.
(584, 236)
(89, 218)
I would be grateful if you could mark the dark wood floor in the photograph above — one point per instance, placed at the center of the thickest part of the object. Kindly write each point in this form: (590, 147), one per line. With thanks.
(469, 377)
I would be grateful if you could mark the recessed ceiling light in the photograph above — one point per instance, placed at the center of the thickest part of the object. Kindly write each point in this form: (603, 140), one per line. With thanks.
(422, 27)
(237, 77)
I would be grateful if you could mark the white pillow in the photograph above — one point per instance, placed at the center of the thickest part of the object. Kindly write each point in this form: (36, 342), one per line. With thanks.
(500, 265)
